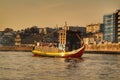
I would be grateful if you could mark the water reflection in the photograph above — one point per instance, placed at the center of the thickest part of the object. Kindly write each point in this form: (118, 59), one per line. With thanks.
(22, 66)
(73, 62)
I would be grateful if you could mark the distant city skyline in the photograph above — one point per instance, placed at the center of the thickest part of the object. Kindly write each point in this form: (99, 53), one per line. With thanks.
(20, 14)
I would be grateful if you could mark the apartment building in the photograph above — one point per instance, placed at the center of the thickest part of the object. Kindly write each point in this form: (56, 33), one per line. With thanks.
(112, 27)
(109, 28)
(94, 33)
(117, 25)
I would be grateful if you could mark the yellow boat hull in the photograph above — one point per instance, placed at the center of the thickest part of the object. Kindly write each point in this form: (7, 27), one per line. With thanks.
(75, 53)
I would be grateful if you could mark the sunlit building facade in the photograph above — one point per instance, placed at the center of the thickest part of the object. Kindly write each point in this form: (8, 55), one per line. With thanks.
(95, 33)
(62, 37)
(93, 28)
(117, 25)
(18, 40)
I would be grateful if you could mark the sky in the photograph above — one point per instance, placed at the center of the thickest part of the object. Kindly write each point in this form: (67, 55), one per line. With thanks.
(21, 14)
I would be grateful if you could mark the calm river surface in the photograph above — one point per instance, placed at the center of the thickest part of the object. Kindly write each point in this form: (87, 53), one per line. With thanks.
(23, 66)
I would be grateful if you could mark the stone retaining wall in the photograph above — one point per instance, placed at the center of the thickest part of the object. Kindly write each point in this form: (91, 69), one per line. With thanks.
(15, 48)
(115, 47)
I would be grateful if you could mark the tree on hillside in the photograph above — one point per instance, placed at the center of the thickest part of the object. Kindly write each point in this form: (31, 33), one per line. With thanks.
(34, 30)
(8, 30)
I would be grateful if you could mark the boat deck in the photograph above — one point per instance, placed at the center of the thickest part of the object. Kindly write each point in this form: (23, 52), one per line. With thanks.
(48, 49)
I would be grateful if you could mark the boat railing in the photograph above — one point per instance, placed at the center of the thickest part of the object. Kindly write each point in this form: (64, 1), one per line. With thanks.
(47, 49)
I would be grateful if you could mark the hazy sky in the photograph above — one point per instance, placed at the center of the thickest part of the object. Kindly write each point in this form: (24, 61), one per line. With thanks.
(20, 14)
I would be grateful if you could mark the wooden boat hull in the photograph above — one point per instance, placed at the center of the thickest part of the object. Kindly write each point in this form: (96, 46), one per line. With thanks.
(72, 54)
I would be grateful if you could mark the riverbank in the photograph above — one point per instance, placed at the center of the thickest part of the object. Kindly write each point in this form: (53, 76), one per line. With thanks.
(103, 48)
(16, 48)
(94, 48)
(101, 52)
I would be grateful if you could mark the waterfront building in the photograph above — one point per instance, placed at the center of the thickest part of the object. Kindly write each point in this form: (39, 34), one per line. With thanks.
(62, 38)
(7, 39)
(94, 33)
(117, 25)
(18, 40)
(112, 27)
(94, 28)
(109, 28)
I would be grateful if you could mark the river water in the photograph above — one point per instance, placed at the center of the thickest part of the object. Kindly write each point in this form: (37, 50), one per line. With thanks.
(23, 66)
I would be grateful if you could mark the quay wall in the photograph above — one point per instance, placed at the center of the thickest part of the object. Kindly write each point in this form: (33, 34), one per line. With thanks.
(103, 48)
(16, 48)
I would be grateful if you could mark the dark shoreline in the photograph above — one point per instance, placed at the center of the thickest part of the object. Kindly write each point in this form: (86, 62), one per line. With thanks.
(30, 48)
(16, 48)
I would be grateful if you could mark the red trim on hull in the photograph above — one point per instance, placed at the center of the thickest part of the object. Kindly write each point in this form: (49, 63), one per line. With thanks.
(76, 55)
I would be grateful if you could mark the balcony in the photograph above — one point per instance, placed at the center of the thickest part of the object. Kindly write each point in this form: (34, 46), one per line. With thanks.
(119, 13)
(118, 29)
(119, 17)
(119, 21)
(118, 24)
(118, 33)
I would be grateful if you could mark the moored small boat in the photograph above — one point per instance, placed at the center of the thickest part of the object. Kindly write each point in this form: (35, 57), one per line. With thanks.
(70, 45)
(71, 54)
